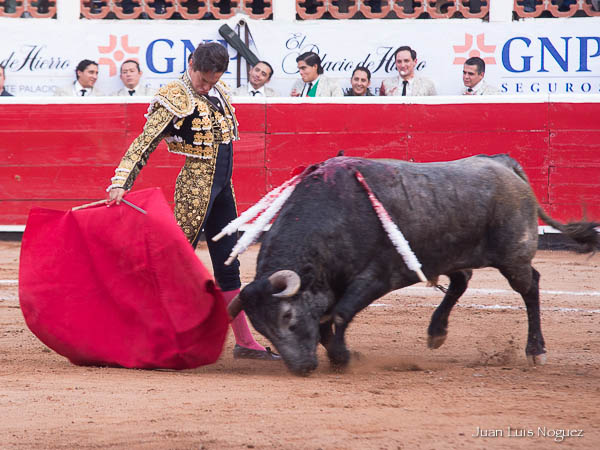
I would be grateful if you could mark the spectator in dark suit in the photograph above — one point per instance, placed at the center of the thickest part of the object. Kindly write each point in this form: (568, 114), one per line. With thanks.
(3, 91)
(360, 82)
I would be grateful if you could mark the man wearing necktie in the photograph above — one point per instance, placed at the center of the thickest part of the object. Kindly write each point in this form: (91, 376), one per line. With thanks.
(404, 85)
(313, 82)
(473, 73)
(86, 73)
(130, 76)
(194, 115)
(407, 83)
(309, 91)
(258, 77)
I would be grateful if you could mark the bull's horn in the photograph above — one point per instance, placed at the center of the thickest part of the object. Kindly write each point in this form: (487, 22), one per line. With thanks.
(286, 282)
(235, 307)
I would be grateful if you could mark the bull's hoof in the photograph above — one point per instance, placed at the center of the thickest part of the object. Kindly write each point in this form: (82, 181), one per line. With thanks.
(537, 360)
(339, 368)
(339, 359)
(302, 371)
(434, 342)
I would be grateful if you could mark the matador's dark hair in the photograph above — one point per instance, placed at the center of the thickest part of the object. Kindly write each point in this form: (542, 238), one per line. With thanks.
(210, 57)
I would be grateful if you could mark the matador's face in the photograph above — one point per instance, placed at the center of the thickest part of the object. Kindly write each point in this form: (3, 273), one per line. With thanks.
(202, 82)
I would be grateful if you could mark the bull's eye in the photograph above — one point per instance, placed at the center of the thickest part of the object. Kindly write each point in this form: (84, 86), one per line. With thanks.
(287, 317)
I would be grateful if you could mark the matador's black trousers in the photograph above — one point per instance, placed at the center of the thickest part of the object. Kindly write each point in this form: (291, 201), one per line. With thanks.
(222, 210)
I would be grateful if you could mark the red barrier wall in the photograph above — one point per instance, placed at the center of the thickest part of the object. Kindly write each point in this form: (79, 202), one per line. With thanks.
(62, 155)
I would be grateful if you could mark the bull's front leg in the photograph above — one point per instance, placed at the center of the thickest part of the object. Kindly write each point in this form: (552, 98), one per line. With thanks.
(326, 333)
(358, 296)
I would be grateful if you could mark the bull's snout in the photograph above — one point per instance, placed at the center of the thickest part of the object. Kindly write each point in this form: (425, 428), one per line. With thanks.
(302, 368)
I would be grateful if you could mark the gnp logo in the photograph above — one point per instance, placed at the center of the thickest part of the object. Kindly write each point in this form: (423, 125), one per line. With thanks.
(115, 55)
(481, 49)
(552, 64)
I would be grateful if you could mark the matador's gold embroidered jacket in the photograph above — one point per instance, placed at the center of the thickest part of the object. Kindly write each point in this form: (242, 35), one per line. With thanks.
(193, 127)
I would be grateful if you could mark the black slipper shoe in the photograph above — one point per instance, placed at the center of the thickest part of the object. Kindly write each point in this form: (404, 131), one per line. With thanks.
(240, 352)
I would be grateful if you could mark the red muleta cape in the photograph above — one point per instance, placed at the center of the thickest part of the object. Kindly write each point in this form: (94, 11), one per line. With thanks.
(113, 286)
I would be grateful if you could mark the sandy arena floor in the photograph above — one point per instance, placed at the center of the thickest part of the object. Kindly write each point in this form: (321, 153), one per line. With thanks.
(397, 395)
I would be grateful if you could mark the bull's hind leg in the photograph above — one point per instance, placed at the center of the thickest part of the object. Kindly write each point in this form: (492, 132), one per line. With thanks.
(438, 327)
(526, 281)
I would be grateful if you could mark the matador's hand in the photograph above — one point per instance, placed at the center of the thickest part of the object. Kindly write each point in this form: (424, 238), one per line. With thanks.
(115, 195)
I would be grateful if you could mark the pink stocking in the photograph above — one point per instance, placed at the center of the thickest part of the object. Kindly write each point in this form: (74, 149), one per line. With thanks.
(239, 325)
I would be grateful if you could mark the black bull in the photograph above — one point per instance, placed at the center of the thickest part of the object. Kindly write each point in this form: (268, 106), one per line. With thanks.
(327, 256)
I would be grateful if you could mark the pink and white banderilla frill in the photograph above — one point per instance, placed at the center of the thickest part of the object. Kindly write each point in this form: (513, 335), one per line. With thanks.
(264, 211)
(393, 231)
(271, 204)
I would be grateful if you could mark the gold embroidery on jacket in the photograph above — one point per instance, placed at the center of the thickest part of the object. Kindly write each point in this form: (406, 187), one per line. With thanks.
(176, 97)
(192, 194)
(211, 126)
(142, 147)
(194, 182)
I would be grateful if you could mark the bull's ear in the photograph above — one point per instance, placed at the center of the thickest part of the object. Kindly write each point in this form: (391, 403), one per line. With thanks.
(307, 275)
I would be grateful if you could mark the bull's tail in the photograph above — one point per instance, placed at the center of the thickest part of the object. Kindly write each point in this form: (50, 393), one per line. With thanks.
(586, 234)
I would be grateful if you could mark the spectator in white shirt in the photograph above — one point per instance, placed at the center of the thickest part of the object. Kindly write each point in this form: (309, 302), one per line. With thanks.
(87, 75)
(313, 83)
(473, 73)
(130, 76)
(258, 77)
(406, 83)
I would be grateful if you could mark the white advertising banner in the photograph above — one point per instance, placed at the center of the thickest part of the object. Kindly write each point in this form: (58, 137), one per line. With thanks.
(543, 56)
